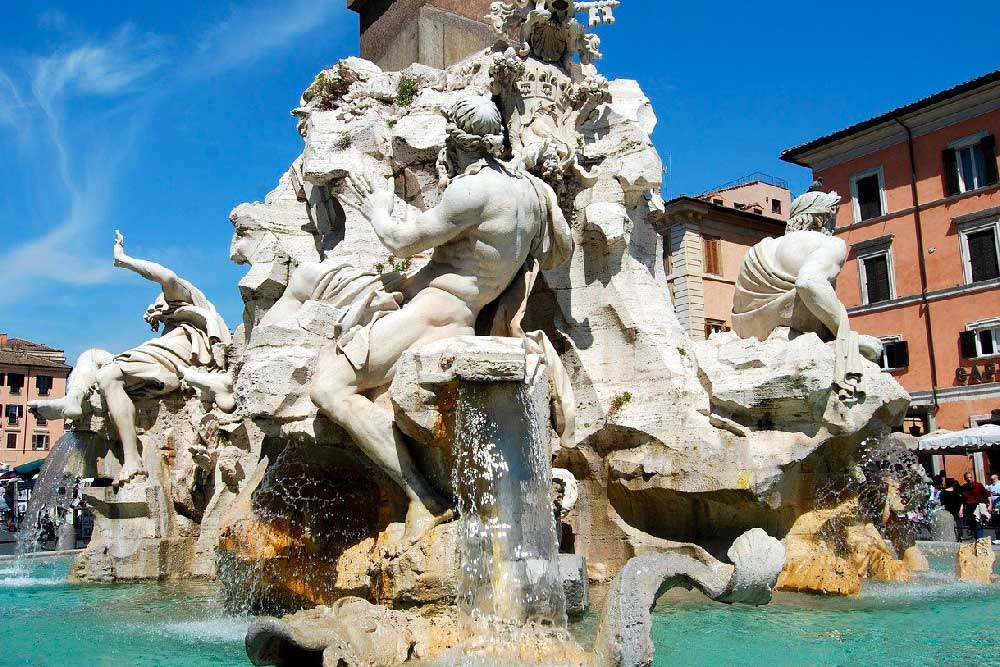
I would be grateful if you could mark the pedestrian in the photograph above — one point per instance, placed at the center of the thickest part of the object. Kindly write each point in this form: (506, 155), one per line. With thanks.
(974, 494)
(994, 488)
(951, 499)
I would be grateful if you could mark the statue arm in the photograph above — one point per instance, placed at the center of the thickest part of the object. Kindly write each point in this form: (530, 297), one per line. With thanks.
(173, 288)
(814, 286)
(461, 207)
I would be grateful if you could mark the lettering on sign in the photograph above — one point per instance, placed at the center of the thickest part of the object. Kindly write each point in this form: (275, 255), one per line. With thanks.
(974, 375)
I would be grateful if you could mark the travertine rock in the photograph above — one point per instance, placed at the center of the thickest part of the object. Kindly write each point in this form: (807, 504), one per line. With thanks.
(915, 560)
(786, 383)
(830, 551)
(975, 561)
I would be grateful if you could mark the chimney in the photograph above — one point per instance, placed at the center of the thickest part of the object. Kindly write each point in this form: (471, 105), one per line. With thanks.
(436, 33)
(3, 340)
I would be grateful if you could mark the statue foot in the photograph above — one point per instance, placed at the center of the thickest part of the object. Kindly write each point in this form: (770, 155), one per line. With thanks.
(59, 408)
(421, 520)
(214, 386)
(870, 347)
(129, 473)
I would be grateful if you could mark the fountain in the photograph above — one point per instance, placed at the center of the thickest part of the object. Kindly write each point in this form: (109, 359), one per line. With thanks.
(456, 294)
(51, 498)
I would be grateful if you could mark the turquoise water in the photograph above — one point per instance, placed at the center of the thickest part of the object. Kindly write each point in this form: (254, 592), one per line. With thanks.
(48, 622)
(932, 621)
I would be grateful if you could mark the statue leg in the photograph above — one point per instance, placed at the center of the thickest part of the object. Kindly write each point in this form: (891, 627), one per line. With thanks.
(821, 299)
(81, 381)
(121, 409)
(301, 284)
(431, 315)
(335, 393)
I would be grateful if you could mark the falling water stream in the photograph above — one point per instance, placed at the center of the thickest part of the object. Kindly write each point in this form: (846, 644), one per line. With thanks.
(509, 580)
(51, 495)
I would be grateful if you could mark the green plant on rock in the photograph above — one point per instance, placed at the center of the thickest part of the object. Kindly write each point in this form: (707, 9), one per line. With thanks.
(406, 91)
(400, 265)
(326, 88)
(618, 402)
(344, 142)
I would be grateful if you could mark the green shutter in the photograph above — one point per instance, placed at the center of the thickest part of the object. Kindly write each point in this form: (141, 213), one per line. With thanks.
(989, 148)
(950, 172)
(967, 343)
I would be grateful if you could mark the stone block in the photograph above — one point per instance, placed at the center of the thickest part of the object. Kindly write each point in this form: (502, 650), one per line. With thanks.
(576, 585)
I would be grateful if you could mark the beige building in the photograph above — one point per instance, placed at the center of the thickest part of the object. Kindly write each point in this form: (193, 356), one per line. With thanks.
(708, 237)
(28, 371)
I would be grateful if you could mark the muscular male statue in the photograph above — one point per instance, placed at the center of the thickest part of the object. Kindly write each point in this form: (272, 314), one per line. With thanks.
(191, 349)
(490, 220)
(789, 281)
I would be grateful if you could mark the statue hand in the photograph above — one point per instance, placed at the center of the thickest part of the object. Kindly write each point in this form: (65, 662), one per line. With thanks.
(119, 246)
(368, 195)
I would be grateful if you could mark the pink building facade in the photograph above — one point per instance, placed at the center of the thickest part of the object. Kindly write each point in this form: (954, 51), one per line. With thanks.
(28, 371)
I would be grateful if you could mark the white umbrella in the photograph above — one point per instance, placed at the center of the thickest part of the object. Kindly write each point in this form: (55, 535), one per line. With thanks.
(979, 437)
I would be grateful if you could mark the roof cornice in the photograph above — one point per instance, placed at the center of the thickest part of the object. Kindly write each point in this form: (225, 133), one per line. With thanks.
(943, 109)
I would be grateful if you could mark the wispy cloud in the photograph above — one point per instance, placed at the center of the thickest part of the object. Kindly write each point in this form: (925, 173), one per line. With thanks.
(245, 37)
(105, 86)
(43, 99)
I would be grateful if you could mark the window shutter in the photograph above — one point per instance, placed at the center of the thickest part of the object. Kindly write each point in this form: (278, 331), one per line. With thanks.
(989, 148)
(967, 341)
(877, 277)
(983, 255)
(903, 354)
(950, 172)
(712, 263)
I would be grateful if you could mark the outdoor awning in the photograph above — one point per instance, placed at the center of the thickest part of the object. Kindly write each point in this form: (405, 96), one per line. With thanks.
(970, 440)
(29, 468)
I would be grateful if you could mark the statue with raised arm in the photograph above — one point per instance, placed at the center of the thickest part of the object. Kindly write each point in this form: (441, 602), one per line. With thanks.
(190, 350)
(495, 227)
(790, 281)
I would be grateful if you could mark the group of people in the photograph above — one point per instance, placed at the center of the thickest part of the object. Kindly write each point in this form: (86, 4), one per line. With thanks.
(974, 505)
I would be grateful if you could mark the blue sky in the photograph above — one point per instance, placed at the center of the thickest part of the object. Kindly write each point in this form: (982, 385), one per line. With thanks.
(158, 118)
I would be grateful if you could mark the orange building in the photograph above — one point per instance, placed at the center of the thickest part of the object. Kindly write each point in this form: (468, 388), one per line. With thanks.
(28, 371)
(707, 238)
(921, 216)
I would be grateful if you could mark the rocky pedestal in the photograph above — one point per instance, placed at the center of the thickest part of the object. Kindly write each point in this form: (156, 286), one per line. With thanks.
(164, 524)
(975, 562)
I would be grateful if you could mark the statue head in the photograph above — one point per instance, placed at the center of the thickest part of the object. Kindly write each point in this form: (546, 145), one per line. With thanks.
(475, 131)
(814, 212)
(155, 312)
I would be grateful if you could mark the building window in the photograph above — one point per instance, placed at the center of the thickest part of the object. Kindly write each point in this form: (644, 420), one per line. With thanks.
(12, 441)
(44, 384)
(717, 202)
(39, 441)
(15, 381)
(877, 282)
(776, 206)
(868, 194)
(981, 340)
(713, 254)
(895, 353)
(981, 252)
(970, 164)
(14, 414)
(714, 327)
(41, 421)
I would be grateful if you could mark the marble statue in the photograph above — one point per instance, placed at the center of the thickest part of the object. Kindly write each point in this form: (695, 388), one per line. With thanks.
(191, 350)
(549, 30)
(790, 281)
(494, 222)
